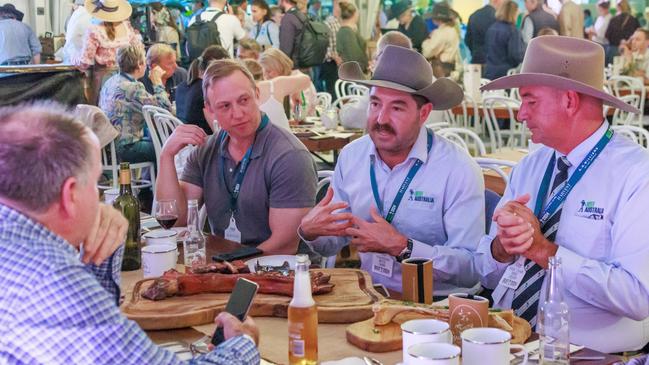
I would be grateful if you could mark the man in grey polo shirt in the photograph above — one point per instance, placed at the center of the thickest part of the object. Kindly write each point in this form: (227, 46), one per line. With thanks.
(275, 172)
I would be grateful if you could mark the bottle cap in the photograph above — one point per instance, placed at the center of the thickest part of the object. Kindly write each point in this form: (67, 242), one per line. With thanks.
(302, 259)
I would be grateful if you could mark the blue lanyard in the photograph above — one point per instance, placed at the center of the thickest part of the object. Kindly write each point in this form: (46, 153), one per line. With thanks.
(245, 162)
(558, 199)
(404, 186)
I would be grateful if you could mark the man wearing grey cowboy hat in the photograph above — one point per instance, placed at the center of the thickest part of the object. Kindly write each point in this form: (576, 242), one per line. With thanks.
(582, 198)
(401, 191)
(18, 43)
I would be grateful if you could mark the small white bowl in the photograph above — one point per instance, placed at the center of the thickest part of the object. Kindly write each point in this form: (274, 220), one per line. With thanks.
(160, 236)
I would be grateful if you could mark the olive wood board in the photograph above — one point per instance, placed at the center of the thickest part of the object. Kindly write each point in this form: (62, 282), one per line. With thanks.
(350, 301)
(385, 338)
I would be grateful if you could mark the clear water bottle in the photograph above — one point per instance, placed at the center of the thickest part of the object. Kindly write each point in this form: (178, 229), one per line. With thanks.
(194, 244)
(553, 318)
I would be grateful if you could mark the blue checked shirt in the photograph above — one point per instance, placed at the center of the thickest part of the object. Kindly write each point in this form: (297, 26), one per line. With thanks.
(56, 310)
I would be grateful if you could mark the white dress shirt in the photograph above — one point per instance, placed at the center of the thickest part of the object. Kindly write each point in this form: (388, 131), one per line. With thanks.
(603, 242)
(442, 211)
(600, 26)
(228, 25)
(80, 20)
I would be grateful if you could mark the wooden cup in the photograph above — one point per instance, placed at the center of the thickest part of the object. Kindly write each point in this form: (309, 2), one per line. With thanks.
(467, 311)
(417, 280)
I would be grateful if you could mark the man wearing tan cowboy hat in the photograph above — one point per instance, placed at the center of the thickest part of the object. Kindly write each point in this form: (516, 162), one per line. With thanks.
(583, 198)
(400, 191)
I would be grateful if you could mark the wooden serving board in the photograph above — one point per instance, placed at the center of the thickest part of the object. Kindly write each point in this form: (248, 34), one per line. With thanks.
(385, 338)
(350, 301)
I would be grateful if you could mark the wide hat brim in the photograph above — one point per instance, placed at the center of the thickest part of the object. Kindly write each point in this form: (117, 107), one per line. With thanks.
(559, 82)
(17, 13)
(122, 13)
(443, 93)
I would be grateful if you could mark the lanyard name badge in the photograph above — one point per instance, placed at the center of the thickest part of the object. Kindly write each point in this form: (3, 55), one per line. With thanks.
(516, 271)
(382, 264)
(232, 233)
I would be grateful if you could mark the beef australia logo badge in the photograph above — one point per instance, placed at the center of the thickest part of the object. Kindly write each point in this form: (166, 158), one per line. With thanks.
(590, 210)
(420, 197)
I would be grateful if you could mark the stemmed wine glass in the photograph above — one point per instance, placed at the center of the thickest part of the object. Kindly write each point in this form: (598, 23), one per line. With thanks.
(166, 213)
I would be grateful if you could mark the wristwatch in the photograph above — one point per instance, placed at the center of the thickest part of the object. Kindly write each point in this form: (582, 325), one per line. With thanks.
(405, 254)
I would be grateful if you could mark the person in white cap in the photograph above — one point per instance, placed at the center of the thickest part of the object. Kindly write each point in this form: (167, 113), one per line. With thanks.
(583, 198)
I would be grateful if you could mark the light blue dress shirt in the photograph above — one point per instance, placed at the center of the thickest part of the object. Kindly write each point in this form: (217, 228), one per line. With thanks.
(603, 242)
(17, 40)
(442, 211)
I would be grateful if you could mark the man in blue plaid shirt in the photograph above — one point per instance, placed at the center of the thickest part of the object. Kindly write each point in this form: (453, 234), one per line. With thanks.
(61, 252)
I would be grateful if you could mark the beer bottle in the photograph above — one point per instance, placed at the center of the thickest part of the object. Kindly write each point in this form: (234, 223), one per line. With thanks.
(302, 318)
(128, 204)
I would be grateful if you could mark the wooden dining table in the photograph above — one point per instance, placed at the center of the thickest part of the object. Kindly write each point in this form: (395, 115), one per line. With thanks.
(492, 180)
(273, 343)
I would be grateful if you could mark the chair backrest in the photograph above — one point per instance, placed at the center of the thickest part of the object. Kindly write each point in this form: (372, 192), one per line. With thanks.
(489, 105)
(624, 85)
(324, 100)
(496, 165)
(344, 100)
(160, 129)
(465, 138)
(148, 111)
(324, 181)
(341, 88)
(491, 199)
(637, 134)
(356, 89)
(621, 117)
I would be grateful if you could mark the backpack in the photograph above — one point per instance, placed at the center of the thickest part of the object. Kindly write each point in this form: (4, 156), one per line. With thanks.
(312, 43)
(200, 35)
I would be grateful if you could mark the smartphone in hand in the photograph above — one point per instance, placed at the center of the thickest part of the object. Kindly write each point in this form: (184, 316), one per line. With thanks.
(238, 305)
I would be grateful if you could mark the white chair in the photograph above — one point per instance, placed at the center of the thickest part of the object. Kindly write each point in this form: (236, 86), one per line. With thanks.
(148, 111)
(465, 138)
(324, 101)
(517, 131)
(344, 100)
(360, 90)
(484, 82)
(342, 88)
(109, 163)
(437, 126)
(630, 85)
(637, 134)
(496, 165)
(324, 179)
(621, 117)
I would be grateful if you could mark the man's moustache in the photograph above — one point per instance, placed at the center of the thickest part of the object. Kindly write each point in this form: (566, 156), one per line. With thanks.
(383, 128)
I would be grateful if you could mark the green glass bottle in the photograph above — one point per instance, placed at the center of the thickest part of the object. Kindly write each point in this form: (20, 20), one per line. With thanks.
(128, 204)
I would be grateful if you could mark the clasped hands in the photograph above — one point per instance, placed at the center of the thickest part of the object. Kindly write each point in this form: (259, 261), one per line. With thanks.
(519, 233)
(376, 235)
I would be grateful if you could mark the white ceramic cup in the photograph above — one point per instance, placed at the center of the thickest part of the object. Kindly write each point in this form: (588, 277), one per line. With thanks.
(156, 259)
(488, 346)
(160, 237)
(433, 353)
(423, 330)
(110, 195)
(330, 118)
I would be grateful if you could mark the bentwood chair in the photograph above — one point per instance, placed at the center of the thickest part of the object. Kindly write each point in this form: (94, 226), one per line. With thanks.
(467, 139)
(637, 134)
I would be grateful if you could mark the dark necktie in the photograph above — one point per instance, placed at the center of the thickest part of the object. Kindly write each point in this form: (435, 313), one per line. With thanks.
(526, 297)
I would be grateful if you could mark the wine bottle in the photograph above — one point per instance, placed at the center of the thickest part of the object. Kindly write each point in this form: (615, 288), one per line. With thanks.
(128, 204)
(302, 318)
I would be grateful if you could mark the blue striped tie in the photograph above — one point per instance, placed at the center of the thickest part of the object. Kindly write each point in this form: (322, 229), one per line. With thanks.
(526, 296)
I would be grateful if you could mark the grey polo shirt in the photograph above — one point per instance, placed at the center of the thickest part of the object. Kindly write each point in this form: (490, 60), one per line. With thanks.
(281, 174)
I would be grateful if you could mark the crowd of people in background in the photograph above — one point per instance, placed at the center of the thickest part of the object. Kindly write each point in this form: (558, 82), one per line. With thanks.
(269, 37)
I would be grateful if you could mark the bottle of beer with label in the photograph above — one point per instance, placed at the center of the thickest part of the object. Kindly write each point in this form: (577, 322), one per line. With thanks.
(302, 318)
(128, 204)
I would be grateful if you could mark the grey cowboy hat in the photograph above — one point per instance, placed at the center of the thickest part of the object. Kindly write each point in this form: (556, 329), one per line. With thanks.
(564, 63)
(406, 70)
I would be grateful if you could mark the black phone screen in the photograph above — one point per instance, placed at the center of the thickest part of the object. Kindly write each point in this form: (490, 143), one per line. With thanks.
(238, 305)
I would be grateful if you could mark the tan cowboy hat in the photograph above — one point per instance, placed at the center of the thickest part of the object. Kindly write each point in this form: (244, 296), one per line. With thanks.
(109, 10)
(565, 63)
(406, 70)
